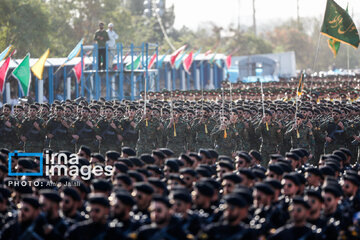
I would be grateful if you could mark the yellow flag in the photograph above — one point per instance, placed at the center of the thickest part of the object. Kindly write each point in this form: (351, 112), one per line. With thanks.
(38, 67)
(297, 134)
(174, 130)
(225, 134)
(267, 126)
(206, 131)
(146, 123)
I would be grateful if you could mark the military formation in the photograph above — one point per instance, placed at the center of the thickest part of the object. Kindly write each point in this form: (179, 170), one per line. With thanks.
(220, 164)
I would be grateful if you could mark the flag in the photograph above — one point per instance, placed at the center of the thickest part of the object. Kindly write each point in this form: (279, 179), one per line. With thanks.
(5, 53)
(38, 68)
(301, 85)
(23, 74)
(208, 52)
(228, 61)
(178, 61)
(195, 54)
(136, 64)
(77, 71)
(188, 61)
(333, 44)
(152, 61)
(338, 25)
(3, 71)
(76, 51)
(160, 62)
(211, 61)
(175, 54)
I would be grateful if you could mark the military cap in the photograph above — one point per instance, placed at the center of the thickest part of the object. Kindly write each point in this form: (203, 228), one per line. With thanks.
(352, 178)
(245, 156)
(304, 152)
(27, 163)
(340, 154)
(337, 111)
(5, 151)
(226, 158)
(276, 168)
(147, 158)
(100, 199)
(264, 188)
(162, 199)
(6, 193)
(245, 193)
(205, 152)
(327, 171)
(125, 178)
(86, 108)
(314, 171)
(292, 177)
(189, 171)
(121, 167)
(292, 155)
(314, 193)
(235, 200)
(136, 161)
(268, 112)
(248, 173)
(159, 154)
(226, 164)
(259, 173)
(126, 161)
(59, 107)
(275, 156)
(128, 151)
(154, 168)
(144, 188)
(136, 175)
(166, 151)
(275, 184)
(205, 188)
(83, 161)
(157, 182)
(31, 200)
(213, 153)
(301, 177)
(172, 164)
(203, 171)
(112, 155)
(255, 154)
(187, 159)
(71, 192)
(298, 152)
(333, 189)
(182, 196)
(125, 198)
(346, 151)
(51, 195)
(82, 187)
(232, 177)
(101, 185)
(85, 149)
(99, 157)
(300, 200)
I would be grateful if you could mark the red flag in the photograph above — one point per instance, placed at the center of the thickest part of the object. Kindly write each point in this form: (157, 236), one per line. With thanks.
(78, 72)
(228, 61)
(152, 60)
(207, 52)
(3, 71)
(188, 61)
(175, 54)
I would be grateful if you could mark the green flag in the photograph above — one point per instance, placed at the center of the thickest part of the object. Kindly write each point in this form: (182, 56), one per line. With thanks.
(136, 64)
(333, 44)
(338, 25)
(23, 75)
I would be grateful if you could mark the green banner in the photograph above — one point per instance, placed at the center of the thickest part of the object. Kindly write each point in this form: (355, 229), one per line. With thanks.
(338, 25)
(23, 75)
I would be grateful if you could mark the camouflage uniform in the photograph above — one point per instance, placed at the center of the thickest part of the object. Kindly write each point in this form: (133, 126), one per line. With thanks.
(147, 129)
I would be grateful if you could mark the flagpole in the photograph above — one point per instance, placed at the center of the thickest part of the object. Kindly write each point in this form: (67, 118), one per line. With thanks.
(315, 60)
(262, 98)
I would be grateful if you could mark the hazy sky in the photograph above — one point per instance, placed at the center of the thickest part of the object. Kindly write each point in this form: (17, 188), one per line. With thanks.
(192, 13)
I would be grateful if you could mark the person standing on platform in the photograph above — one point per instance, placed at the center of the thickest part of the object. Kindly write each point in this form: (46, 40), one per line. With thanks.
(111, 44)
(101, 36)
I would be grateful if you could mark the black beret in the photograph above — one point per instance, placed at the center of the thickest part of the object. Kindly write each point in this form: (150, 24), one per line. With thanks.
(98, 156)
(189, 171)
(162, 199)
(301, 201)
(195, 155)
(101, 185)
(135, 174)
(314, 193)
(352, 178)
(98, 198)
(215, 184)
(248, 173)
(275, 156)
(166, 151)
(259, 173)
(147, 158)
(213, 153)
(85, 149)
(245, 156)
(268, 112)
(245, 193)
(226, 164)
(112, 155)
(264, 188)
(182, 196)
(125, 198)
(292, 177)
(298, 152)
(314, 171)
(275, 184)
(292, 155)
(126, 161)
(346, 151)
(232, 177)
(205, 188)
(125, 178)
(340, 154)
(225, 158)
(159, 154)
(333, 189)
(128, 151)
(203, 171)
(144, 188)
(154, 168)
(71, 192)
(235, 200)
(172, 164)
(157, 183)
(31, 200)
(23, 189)
(27, 163)
(6, 193)
(186, 158)
(121, 167)
(52, 195)
(337, 111)
(276, 168)
(327, 170)
(205, 152)
(256, 155)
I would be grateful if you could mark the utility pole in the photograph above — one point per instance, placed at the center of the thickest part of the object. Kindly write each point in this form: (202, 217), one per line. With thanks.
(254, 18)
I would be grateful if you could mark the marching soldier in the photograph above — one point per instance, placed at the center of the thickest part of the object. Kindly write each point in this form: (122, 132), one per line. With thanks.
(8, 129)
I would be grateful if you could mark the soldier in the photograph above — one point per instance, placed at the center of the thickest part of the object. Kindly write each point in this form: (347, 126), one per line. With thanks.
(176, 133)
(269, 131)
(32, 131)
(224, 137)
(127, 127)
(332, 130)
(59, 131)
(8, 129)
(84, 131)
(202, 130)
(107, 132)
(69, 206)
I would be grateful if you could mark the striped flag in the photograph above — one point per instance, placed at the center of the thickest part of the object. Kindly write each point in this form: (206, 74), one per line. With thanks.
(188, 61)
(3, 71)
(175, 54)
(5, 53)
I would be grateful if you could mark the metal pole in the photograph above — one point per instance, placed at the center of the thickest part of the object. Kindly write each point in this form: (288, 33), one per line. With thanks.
(132, 79)
(108, 87)
(121, 73)
(36, 90)
(158, 75)
(51, 85)
(41, 90)
(64, 77)
(82, 70)
(8, 93)
(68, 88)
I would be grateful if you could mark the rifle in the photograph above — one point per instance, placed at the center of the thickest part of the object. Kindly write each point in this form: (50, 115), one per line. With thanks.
(333, 128)
(81, 132)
